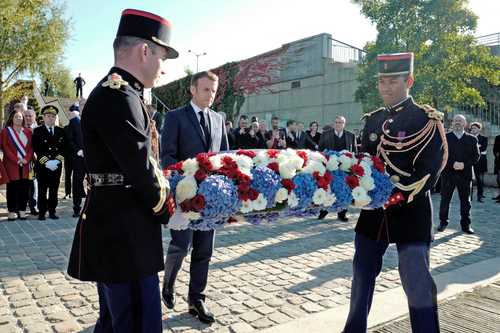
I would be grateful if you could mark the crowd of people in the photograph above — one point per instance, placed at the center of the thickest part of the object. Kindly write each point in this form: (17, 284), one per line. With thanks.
(34, 153)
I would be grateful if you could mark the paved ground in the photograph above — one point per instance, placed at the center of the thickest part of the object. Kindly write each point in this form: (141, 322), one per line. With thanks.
(260, 276)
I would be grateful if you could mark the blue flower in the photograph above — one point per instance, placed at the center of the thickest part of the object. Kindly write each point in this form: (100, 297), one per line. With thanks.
(174, 179)
(382, 191)
(267, 182)
(341, 190)
(304, 190)
(221, 197)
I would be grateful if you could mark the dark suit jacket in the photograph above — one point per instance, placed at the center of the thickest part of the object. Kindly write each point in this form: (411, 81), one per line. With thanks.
(182, 137)
(465, 150)
(301, 139)
(496, 153)
(328, 138)
(49, 147)
(482, 165)
(74, 134)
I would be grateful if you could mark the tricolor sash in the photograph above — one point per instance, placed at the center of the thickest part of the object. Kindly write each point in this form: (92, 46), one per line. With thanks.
(14, 138)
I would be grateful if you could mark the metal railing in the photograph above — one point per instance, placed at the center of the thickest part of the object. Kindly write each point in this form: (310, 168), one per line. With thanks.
(345, 53)
(157, 103)
(488, 115)
(489, 40)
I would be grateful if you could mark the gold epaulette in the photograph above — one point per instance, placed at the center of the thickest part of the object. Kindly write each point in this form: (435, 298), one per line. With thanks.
(368, 114)
(432, 113)
(115, 81)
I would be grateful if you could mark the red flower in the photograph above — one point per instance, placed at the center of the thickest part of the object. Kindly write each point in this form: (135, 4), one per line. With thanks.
(177, 166)
(288, 184)
(186, 205)
(303, 155)
(198, 203)
(204, 162)
(328, 177)
(352, 181)
(358, 170)
(166, 172)
(227, 160)
(244, 187)
(348, 154)
(200, 175)
(253, 194)
(378, 164)
(248, 153)
(394, 199)
(274, 166)
(273, 153)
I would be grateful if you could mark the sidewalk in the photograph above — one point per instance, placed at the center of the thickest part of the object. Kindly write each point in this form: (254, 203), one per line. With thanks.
(274, 277)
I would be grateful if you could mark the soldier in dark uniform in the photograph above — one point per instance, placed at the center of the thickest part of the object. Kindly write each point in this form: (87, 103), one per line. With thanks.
(49, 144)
(118, 239)
(481, 167)
(410, 139)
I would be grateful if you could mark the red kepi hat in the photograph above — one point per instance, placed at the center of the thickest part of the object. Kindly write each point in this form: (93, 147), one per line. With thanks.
(395, 64)
(148, 26)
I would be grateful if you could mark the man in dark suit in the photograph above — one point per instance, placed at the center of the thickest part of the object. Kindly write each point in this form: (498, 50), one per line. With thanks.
(289, 134)
(300, 136)
(496, 153)
(49, 145)
(75, 143)
(413, 165)
(79, 83)
(190, 130)
(338, 139)
(481, 167)
(118, 238)
(463, 154)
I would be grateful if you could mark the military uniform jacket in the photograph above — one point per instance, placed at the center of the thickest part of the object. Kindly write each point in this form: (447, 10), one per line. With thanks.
(48, 147)
(410, 139)
(118, 236)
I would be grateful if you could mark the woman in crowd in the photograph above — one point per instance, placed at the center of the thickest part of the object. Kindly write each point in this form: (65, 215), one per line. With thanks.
(312, 136)
(17, 154)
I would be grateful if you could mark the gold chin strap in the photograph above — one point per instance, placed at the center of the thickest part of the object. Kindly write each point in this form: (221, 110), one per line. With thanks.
(415, 188)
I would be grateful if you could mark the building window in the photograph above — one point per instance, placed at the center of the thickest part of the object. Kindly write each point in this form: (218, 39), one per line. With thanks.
(295, 84)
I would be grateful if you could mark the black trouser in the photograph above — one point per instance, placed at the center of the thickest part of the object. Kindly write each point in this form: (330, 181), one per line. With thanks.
(31, 195)
(480, 184)
(79, 91)
(17, 195)
(48, 180)
(78, 176)
(448, 184)
(68, 170)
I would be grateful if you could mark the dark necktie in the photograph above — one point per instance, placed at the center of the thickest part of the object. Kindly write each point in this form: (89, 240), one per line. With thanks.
(51, 131)
(205, 128)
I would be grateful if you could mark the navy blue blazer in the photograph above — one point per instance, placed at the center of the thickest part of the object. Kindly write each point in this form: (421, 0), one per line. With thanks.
(182, 137)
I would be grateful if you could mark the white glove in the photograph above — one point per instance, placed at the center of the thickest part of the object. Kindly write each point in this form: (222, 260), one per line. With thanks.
(51, 165)
(80, 153)
(56, 162)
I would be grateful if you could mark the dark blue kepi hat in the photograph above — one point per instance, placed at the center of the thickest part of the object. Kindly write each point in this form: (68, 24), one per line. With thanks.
(395, 64)
(148, 26)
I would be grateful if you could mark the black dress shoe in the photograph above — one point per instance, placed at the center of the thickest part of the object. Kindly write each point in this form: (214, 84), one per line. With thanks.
(442, 227)
(468, 231)
(168, 298)
(322, 214)
(342, 218)
(34, 212)
(496, 198)
(53, 217)
(198, 308)
(41, 217)
(76, 215)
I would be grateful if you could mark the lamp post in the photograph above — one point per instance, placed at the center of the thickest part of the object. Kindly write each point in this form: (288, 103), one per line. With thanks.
(197, 55)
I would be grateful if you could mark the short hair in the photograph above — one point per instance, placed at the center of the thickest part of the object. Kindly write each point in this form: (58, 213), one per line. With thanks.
(341, 117)
(290, 122)
(275, 118)
(243, 117)
(313, 122)
(20, 107)
(300, 123)
(208, 74)
(477, 124)
(123, 43)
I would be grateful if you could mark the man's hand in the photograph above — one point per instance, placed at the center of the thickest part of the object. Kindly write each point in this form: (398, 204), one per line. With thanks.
(51, 165)
(242, 131)
(80, 153)
(458, 165)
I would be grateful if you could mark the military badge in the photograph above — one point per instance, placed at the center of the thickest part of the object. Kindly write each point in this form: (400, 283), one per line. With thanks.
(373, 137)
(115, 81)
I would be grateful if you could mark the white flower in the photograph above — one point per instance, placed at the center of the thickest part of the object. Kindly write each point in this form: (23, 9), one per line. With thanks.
(293, 201)
(367, 183)
(319, 197)
(366, 167)
(281, 195)
(190, 166)
(262, 159)
(186, 189)
(333, 163)
(329, 199)
(191, 215)
(287, 170)
(246, 206)
(216, 162)
(313, 166)
(244, 163)
(367, 158)
(260, 203)
(290, 156)
(345, 162)
(360, 196)
(316, 156)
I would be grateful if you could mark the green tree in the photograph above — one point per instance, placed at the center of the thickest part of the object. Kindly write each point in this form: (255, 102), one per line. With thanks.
(32, 38)
(447, 60)
(60, 81)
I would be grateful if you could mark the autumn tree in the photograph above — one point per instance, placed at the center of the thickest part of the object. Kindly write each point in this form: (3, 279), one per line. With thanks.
(448, 61)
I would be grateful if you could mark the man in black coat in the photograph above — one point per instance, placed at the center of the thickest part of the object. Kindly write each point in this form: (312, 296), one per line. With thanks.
(496, 153)
(481, 167)
(75, 143)
(118, 238)
(290, 134)
(338, 139)
(463, 154)
(49, 145)
(409, 138)
(188, 131)
(79, 83)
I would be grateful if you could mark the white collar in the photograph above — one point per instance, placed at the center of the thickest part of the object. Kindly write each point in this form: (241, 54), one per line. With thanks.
(339, 134)
(49, 127)
(459, 134)
(197, 109)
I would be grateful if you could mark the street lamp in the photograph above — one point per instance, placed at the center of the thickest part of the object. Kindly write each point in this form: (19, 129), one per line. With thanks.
(197, 55)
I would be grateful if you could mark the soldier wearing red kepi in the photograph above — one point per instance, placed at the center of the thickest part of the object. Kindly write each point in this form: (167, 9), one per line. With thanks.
(118, 238)
(411, 141)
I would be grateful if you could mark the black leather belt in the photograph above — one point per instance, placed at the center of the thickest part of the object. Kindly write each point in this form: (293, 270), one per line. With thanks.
(107, 179)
